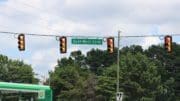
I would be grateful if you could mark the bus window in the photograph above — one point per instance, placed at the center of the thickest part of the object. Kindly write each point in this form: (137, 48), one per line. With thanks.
(18, 96)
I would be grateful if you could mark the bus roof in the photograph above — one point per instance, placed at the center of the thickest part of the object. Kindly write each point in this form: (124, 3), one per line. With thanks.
(20, 86)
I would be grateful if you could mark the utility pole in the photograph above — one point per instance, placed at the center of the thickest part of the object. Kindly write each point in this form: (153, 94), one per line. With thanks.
(118, 66)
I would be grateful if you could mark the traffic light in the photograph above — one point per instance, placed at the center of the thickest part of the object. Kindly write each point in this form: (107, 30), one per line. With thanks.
(110, 44)
(168, 43)
(21, 42)
(63, 44)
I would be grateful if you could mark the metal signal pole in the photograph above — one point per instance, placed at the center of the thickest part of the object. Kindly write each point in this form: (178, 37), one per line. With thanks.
(118, 65)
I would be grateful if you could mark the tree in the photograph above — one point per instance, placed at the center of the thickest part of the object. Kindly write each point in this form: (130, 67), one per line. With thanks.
(138, 78)
(98, 59)
(78, 58)
(134, 49)
(68, 82)
(168, 66)
(16, 71)
(145, 75)
(106, 84)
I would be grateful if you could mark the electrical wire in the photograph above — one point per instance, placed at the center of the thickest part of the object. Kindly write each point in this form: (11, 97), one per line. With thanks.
(53, 35)
(45, 11)
(40, 10)
(149, 35)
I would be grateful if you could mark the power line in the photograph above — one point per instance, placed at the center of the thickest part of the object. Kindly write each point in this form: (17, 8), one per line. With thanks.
(44, 11)
(31, 34)
(53, 35)
(159, 35)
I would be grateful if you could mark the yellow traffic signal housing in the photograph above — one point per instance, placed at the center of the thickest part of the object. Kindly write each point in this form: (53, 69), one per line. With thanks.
(21, 42)
(168, 43)
(110, 44)
(63, 44)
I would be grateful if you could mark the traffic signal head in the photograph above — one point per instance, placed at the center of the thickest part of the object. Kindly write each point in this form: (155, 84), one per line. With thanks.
(63, 44)
(168, 43)
(110, 44)
(21, 42)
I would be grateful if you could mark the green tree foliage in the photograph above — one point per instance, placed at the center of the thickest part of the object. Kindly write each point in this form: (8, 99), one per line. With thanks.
(168, 67)
(145, 75)
(15, 71)
(97, 59)
(132, 49)
(73, 83)
(139, 77)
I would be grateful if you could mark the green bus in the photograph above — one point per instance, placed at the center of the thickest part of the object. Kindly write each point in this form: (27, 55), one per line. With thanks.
(24, 92)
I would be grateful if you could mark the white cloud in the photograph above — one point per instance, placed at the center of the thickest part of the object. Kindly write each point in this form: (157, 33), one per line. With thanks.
(44, 60)
(169, 28)
(79, 17)
(150, 41)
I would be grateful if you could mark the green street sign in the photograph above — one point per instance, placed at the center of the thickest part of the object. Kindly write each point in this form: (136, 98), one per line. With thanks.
(87, 41)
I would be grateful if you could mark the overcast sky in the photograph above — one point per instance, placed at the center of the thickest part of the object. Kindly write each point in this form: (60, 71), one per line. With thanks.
(82, 17)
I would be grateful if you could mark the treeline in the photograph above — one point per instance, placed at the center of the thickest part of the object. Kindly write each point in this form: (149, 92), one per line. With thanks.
(145, 75)
(16, 71)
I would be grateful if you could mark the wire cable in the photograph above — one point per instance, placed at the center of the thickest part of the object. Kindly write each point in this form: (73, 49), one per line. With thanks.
(51, 35)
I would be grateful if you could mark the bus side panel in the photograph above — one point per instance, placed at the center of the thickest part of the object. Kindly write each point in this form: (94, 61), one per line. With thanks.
(48, 96)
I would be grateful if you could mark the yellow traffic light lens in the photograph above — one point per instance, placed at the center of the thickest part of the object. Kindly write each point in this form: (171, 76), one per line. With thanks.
(111, 50)
(63, 44)
(21, 42)
(21, 47)
(63, 49)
